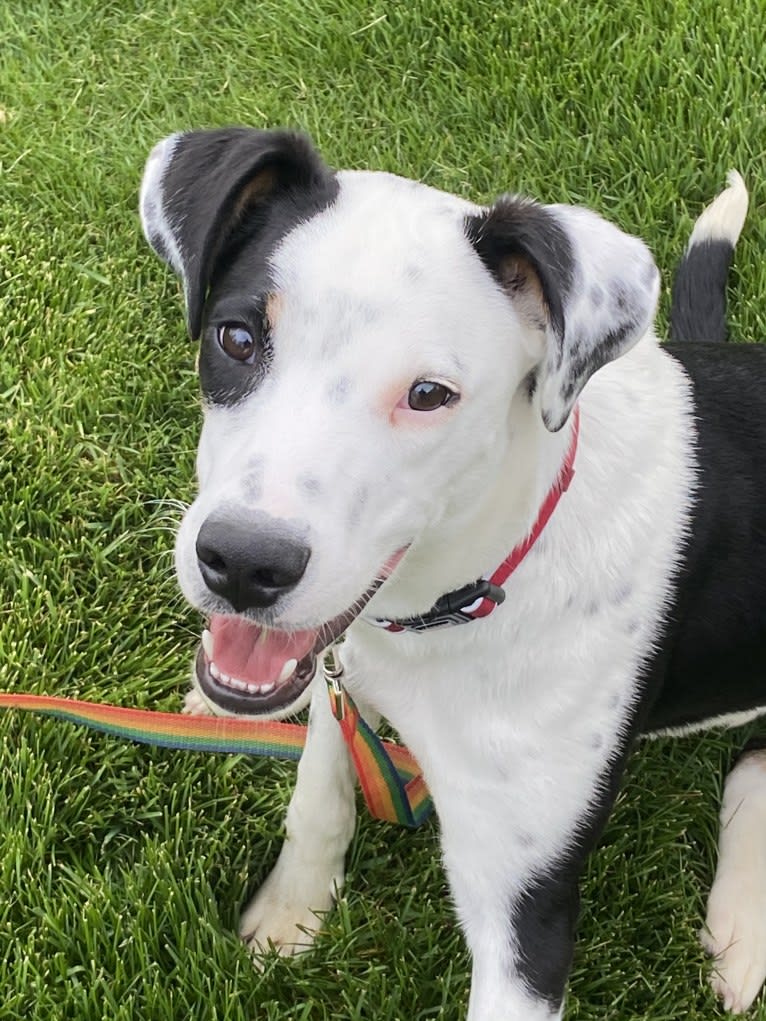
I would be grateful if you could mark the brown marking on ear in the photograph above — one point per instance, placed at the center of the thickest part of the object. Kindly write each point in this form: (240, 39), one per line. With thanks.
(521, 282)
(256, 189)
(274, 306)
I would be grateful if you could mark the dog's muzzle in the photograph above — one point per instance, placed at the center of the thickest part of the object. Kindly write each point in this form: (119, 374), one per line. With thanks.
(250, 670)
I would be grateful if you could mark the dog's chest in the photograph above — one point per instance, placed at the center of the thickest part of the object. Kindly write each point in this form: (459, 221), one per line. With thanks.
(535, 700)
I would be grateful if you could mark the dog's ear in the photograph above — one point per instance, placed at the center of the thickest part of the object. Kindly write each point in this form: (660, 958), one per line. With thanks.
(588, 286)
(198, 188)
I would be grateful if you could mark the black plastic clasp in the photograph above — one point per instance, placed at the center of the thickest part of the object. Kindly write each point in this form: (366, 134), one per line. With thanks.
(454, 602)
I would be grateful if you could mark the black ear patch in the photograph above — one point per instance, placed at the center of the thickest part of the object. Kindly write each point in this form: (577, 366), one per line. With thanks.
(589, 288)
(515, 236)
(205, 192)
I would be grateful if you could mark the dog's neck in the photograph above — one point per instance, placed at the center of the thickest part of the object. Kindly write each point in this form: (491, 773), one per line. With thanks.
(473, 537)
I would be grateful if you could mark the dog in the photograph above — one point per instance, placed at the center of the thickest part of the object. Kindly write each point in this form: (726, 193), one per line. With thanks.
(397, 384)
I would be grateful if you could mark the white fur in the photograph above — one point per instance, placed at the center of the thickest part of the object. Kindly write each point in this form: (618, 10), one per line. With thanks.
(154, 219)
(724, 218)
(289, 906)
(735, 927)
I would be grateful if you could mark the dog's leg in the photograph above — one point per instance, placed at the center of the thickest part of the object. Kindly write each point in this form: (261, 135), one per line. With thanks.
(287, 910)
(518, 906)
(505, 986)
(194, 704)
(735, 928)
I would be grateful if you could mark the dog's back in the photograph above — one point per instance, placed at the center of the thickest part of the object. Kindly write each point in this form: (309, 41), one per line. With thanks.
(714, 660)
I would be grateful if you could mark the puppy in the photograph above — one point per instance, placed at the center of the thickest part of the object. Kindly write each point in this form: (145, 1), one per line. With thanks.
(397, 386)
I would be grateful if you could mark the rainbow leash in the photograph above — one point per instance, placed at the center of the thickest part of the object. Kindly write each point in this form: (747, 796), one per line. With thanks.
(392, 784)
(390, 778)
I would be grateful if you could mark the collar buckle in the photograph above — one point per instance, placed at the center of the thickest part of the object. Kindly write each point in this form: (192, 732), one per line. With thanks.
(465, 599)
(457, 607)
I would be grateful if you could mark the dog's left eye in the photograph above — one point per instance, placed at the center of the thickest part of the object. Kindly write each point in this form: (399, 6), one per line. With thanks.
(236, 340)
(428, 396)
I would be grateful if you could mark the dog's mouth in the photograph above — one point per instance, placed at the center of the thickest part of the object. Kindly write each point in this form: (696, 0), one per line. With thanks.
(246, 669)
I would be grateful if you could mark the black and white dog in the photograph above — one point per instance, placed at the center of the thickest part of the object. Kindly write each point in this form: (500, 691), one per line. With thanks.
(392, 381)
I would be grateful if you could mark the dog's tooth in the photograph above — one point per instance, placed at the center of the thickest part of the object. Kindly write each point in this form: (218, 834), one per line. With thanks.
(287, 670)
(236, 683)
(215, 672)
(264, 689)
(207, 644)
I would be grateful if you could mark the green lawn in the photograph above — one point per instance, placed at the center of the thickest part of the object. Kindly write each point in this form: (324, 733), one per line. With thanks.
(123, 868)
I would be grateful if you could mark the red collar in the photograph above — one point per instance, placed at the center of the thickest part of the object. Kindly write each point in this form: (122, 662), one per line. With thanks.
(461, 606)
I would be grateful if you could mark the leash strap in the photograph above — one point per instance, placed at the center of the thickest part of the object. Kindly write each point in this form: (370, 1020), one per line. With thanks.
(171, 730)
(393, 788)
(392, 784)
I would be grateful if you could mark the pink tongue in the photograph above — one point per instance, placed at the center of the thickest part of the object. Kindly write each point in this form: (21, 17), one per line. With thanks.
(253, 654)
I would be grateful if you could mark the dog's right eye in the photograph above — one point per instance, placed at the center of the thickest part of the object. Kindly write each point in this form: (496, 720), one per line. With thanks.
(236, 340)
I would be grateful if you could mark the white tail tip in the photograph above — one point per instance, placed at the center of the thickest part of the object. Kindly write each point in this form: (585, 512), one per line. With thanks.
(724, 218)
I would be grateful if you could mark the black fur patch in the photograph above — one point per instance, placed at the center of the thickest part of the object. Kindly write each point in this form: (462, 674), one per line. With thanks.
(544, 920)
(698, 310)
(520, 227)
(225, 380)
(530, 384)
(231, 197)
(713, 655)
(224, 188)
(585, 360)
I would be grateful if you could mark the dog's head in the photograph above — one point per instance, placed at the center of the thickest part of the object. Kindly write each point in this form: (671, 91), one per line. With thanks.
(370, 351)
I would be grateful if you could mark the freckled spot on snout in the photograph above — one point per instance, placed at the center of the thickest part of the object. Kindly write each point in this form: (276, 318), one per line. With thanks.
(339, 389)
(252, 482)
(310, 485)
(357, 505)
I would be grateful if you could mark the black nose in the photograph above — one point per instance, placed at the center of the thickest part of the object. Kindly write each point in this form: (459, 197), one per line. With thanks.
(251, 559)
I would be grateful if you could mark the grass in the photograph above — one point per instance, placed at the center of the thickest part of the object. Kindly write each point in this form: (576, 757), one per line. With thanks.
(123, 868)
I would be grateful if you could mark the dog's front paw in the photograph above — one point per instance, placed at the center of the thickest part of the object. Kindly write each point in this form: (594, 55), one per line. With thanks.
(195, 704)
(735, 936)
(287, 912)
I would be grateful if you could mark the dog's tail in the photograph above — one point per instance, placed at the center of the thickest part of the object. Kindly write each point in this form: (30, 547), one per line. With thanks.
(698, 309)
